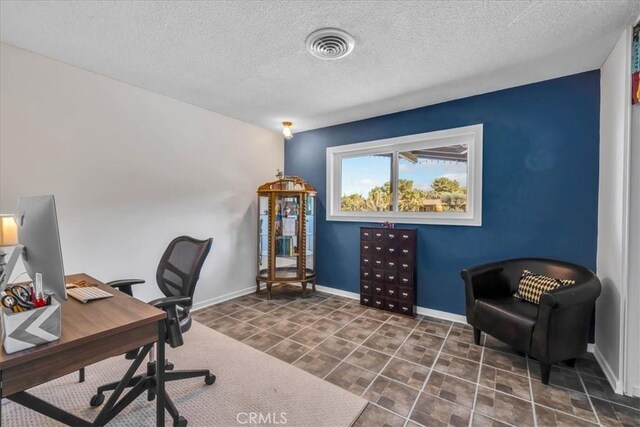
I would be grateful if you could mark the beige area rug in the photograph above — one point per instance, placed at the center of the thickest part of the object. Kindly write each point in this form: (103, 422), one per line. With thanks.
(248, 381)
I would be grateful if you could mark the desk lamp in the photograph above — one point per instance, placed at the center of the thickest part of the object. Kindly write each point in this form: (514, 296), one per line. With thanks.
(8, 237)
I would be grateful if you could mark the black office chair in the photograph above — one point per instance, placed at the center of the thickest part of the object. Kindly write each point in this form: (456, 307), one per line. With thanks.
(177, 275)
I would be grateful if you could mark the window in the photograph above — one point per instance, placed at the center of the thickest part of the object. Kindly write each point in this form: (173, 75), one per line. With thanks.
(429, 178)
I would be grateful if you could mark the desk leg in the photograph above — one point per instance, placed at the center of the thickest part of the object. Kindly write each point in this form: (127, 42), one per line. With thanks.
(160, 362)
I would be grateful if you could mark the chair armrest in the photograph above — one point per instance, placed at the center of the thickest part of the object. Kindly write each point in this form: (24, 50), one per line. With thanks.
(566, 296)
(168, 302)
(564, 318)
(125, 285)
(172, 321)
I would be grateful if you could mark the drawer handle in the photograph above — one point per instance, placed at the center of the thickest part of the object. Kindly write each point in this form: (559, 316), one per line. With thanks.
(366, 247)
(366, 261)
(405, 280)
(405, 251)
(366, 234)
(392, 236)
(405, 266)
(392, 264)
(405, 236)
(366, 274)
(378, 303)
(378, 234)
(404, 294)
(378, 248)
(391, 305)
(405, 309)
(391, 250)
(392, 277)
(391, 292)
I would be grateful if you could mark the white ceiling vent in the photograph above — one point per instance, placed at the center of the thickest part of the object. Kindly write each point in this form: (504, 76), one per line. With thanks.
(330, 43)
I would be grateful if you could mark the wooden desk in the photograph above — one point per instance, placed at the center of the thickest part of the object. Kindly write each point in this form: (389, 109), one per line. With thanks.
(90, 333)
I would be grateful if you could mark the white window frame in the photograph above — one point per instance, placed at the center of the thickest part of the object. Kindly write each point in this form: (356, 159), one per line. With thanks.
(469, 135)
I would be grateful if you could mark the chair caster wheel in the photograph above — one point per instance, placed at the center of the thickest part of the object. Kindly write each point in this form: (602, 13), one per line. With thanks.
(168, 367)
(97, 400)
(151, 397)
(210, 379)
(180, 422)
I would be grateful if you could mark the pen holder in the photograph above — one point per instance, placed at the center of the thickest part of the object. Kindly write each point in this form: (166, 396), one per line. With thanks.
(30, 328)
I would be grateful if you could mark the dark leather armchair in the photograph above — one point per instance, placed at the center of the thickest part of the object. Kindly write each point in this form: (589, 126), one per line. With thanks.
(557, 330)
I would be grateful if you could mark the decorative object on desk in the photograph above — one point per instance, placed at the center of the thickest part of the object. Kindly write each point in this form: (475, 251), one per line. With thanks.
(8, 237)
(387, 269)
(29, 328)
(286, 233)
(388, 224)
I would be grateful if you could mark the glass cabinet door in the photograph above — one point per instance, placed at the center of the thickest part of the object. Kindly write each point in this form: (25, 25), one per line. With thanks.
(263, 235)
(287, 235)
(311, 233)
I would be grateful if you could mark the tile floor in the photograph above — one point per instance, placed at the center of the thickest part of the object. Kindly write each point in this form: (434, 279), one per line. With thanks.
(418, 372)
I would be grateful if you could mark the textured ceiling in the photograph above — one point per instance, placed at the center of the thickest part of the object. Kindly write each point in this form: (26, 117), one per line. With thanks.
(247, 59)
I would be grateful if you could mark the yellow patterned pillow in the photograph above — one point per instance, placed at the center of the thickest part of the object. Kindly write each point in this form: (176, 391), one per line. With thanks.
(532, 286)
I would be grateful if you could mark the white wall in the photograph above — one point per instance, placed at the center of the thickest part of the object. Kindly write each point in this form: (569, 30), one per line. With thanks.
(613, 209)
(131, 170)
(632, 375)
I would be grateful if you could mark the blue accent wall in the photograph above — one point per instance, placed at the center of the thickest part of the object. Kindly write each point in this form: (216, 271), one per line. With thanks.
(540, 179)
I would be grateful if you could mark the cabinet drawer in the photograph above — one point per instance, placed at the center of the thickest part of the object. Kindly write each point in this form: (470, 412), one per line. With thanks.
(390, 263)
(378, 301)
(366, 260)
(365, 234)
(378, 235)
(406, 237)
(366, 274)
(366, 300)
(404, 253)
(391, 277)
(391, 236)
(405, 278)
(377, 288)
(391, 250)
(378, 275)
(391, 305)
(405, 265)
(366, 248)
(405, 294)
(365, 287)
(390, 291)
(405, 307)
(378, 261)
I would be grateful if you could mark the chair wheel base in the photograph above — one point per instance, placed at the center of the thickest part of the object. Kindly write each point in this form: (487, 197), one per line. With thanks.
(180, 422)
(97, 400)
(169, 366)
(210, 379)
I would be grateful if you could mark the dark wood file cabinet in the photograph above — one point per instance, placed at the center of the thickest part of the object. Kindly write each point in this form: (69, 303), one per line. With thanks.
(387, 269)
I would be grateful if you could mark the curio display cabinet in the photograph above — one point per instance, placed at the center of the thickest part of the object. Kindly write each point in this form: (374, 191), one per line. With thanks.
(286, 233)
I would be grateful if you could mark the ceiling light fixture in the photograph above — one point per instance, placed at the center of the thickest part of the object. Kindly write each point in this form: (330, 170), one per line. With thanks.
(330, 43)
(286, 130)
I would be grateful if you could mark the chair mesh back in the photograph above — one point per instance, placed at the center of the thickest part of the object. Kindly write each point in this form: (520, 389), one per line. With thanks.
(180, 266)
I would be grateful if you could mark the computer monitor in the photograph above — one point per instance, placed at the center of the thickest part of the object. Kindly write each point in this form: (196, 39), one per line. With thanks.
(38, 233)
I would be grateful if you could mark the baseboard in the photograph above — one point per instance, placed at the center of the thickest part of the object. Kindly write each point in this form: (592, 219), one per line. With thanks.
(444, 315)
(616, 384)
(421, 310)
(222, 298)
(339, 292)
(635, 391)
